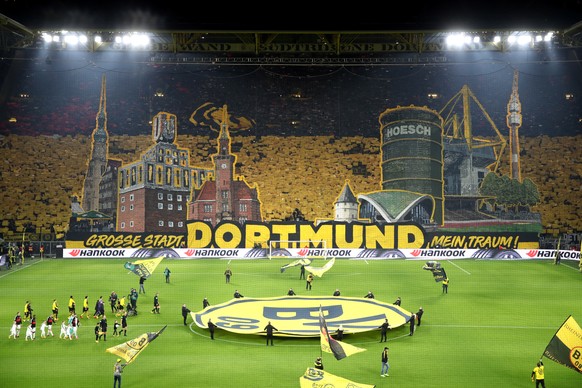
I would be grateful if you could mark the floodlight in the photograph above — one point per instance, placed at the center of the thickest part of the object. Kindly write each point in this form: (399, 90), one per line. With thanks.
(524, 39)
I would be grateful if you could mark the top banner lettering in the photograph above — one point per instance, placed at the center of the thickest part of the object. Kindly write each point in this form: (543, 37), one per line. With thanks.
(337, 235)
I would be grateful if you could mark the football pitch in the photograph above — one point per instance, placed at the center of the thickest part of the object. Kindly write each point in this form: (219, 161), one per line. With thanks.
(488, 331)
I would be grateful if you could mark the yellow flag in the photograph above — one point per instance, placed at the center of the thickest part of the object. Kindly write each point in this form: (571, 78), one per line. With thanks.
(319, 378)
(132, 348)
(320, 271)
(565, 347)
(143, 268)
(295, 263)
(331, 345)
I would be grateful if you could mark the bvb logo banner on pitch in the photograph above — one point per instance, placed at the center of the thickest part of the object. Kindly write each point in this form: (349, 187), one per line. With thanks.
(319, 378)
(297, 316)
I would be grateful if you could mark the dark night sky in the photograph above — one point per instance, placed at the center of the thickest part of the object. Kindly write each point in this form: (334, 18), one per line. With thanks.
(296, 15)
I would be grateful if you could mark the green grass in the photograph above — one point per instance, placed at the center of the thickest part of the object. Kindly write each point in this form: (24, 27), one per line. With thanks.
(489, 331)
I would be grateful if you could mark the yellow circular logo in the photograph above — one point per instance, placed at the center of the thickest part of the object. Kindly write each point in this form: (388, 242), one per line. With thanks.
(299, 315)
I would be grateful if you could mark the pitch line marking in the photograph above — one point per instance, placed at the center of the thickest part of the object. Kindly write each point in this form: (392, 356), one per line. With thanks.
(18, 269)
(572, 268)
(467, 272)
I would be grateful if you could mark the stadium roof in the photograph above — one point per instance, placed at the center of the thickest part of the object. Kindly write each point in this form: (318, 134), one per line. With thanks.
(176, 27)
(394, 205)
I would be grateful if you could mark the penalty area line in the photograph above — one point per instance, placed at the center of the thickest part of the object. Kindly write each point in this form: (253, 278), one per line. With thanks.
(467, 272)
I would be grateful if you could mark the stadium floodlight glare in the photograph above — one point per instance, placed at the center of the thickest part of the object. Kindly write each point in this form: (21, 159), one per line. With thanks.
(455, 39)
(97, 39)
(548, 37)
(496, 39)
(139, 40)
(524, 39)
(47, 37)
(71, 39)
(83, 39)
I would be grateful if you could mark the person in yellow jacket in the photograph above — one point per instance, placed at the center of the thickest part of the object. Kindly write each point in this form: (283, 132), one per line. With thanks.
(85, 307)
(27, 310)
(537, 375)
(71, 305)
(446, 286)
(55, 309)
(121, 302)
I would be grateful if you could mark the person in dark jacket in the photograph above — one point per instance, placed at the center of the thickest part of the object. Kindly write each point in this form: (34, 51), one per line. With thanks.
(185, 312)
(318, 364)
(227, 275)
(124, 324)
(141, 284)
(383, 330)
(419, 315)
(385, 364)
(97, 330)
(113, 301)
(270, 329)
(211, 327)
(340, 333)
(412, 321)
(156, 309)
(103, 332)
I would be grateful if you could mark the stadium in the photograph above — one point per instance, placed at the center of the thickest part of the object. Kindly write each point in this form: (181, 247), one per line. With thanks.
(365, 156)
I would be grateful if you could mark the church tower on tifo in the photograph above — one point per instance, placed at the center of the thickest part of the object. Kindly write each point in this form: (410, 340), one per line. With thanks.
(227, 197)
(98, 160)
(224, 166)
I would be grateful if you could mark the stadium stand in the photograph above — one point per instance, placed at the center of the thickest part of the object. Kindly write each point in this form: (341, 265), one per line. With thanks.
(305, 173)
